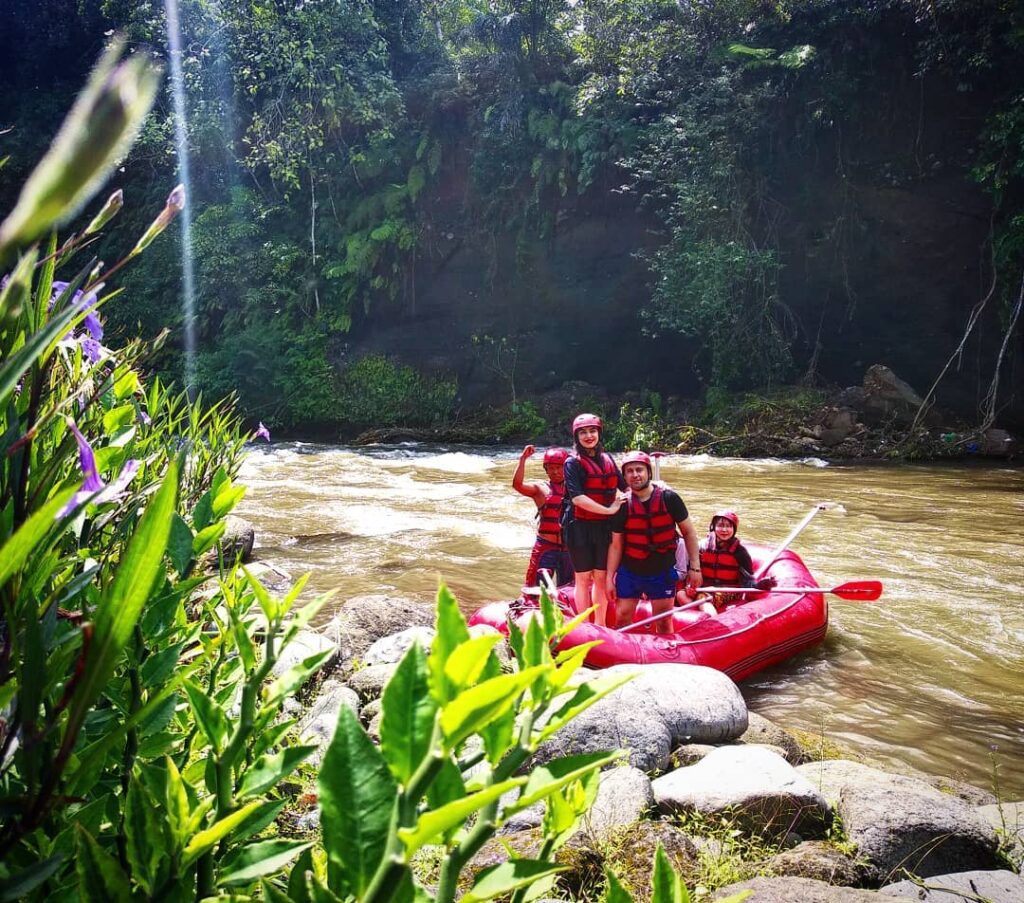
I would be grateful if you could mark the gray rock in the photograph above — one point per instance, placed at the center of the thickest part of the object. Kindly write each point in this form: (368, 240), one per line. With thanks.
(799, 890)
(369, 682)
(317, 726)
(753, 783)
(531, 817)
(888, 396)
(624, 797)
(277, 580)
(389, 650)
(970, 794)
(818, 860)
(371, 708)
(373, 728)
(899, 822)
(962, 887)
(306, 643)
(664, 706)
(689, 753)
(1008, 820)
(235, 545)
(364, 619)
(761, 730)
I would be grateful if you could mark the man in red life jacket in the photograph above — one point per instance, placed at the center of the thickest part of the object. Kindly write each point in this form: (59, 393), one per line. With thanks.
(548, 550)
(642, 557)
(595, 487)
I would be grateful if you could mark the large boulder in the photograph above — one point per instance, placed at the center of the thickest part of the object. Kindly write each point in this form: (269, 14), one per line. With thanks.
(624, 797)
(900, 822)
(1008, 820)
(818, 860)
(999, 886)
(389, 649)
(235, 545)
(886, 397)
(664, 706)
(364, 619)
(318, 724)
(799, 890)
(750, 782)
(305, 644)
(761, 730)
(369, 682)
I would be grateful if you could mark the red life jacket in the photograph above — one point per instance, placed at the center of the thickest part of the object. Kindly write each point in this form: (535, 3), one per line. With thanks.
(549, 527)
(649, 527)
(600, 482)
(718, 564)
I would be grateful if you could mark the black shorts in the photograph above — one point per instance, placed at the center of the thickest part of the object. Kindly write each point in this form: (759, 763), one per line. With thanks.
(587, 542)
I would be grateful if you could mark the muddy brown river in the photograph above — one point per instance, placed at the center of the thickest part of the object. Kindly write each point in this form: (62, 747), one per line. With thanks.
(932, 676)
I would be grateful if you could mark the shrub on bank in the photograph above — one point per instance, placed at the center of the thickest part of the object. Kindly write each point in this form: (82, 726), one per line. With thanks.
(376, 392)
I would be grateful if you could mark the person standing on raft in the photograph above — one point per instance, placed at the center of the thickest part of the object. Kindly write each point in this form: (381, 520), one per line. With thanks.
(642, 556)
(595, 487)
(548, 549)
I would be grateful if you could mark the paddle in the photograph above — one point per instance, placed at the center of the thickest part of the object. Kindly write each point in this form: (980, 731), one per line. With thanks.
(664, 614)
(656, 457)
(797, 530)
(853, 590)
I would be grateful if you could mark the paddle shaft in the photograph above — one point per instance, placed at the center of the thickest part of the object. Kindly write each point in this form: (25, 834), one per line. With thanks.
(855, 590)
(664, 614)
(797, 530)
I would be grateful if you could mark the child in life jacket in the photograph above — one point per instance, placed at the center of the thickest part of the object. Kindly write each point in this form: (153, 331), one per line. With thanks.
(724, 562)
(548, 550)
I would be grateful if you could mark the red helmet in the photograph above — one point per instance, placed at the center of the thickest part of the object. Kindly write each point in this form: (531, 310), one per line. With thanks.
(555, 456)
(638, 457)
(731, 516)
(586, 420)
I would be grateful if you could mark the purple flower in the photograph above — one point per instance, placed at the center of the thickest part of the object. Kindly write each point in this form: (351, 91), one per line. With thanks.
(145, 418)
(93, 323)
(91, 349)
(262, 432)
(93, 489)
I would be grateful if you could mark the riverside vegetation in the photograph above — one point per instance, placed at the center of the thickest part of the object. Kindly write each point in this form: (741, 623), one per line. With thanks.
(144, 754)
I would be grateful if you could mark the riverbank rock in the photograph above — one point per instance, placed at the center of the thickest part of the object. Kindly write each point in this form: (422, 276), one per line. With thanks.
(663, 706)
(761, 730)
(899, 822)
(818, 860)
(317, 725)
(235, 545)
(1000, 886)
(623, 797)
(758, 786)
(389, 650)
(799, 890)
(305, 644)
(1008, 821)
(369, 682)
(886, 396)
(276, 579)
(363, 620)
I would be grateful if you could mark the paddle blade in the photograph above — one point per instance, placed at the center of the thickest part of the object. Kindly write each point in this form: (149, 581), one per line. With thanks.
(859, 590)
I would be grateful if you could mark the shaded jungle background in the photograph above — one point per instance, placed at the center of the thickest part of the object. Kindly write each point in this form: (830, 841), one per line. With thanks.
(405, 210)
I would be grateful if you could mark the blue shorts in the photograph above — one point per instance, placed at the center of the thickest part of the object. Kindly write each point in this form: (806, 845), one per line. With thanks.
(632, 586)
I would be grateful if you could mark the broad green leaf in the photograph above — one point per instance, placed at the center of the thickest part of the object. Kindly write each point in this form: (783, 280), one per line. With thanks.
(202, 514)
(16, 550)
(451, 633)
(500, 880)
(268, 770)
(100, 877)
(468, 659)
(296, 676)
(518, 643)
(497, 735)
(144, 834)
(431, 826)
(271, 607)
(256, 860)
(297, 892)
(176, 800)
(478, 706)
(357, 801)
(226, 499)
(207, 538)
(127, 385)
(179, 544)
(546, 779)
(408, 713)
(667, 886)
(551, 617)
(446, 787)
(261, 817)
(211, 718)
(118, 417)
(160, 665)
(614, 892)
(584, 697)
(19, 885)
(203, 841)
(138, 573)
(293, 594)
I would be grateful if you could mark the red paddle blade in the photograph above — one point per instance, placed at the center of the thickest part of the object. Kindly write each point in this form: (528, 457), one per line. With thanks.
(859, 590)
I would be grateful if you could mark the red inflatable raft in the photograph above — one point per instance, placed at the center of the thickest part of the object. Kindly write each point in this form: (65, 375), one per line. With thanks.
(743, 639)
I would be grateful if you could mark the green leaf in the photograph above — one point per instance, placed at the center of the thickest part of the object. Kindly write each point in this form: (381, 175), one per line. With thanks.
(226, 499)
(16, 550)
(256, 860)
(137, 575)
(179, 544)
(468, 660)
(19, 885)
(203, 841)
(499, 880)
(127, 385)
(667, 887)
(478, 706)
(407, 715)
(160, 665)
(211, 718)
(144, 834)
(614, 892)
(207, 538)
(296, 676)
(268, 770)
(546, 779)
(358, 796)
(176, 801)
(432, 825)
(451, 633)
(446, 787)
(268, 603)
(202, 514)
(118, 417)
(584, 697)
(100, 878)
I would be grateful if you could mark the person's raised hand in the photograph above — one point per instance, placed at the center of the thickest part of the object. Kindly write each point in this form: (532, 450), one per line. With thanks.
(528, 451)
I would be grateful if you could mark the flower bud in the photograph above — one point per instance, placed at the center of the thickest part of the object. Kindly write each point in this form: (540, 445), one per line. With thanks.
(110, 209)
(175, 204)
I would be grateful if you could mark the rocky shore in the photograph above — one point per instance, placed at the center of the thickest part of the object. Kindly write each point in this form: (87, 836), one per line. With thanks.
(704, 777)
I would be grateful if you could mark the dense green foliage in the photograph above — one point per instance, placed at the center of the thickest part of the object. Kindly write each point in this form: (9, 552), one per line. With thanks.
(341, 150)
